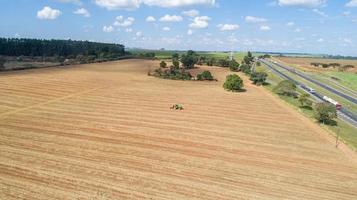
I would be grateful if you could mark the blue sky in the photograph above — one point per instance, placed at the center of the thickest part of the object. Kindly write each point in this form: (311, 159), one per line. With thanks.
(311, 26)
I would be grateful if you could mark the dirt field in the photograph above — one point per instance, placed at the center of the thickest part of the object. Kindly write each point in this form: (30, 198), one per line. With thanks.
(305, 63)
(105, 131)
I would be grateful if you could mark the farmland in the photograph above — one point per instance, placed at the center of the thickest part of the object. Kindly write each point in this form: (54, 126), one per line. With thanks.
(105, 131)
(304, 63)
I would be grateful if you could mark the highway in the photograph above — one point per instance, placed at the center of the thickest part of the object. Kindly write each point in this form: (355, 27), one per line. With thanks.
(300, 74)
(343, 114)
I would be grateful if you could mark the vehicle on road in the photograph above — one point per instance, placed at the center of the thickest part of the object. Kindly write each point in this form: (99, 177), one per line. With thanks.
(307, 88)
(330, 100)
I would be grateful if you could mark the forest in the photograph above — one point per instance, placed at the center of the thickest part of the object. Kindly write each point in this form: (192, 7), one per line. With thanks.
(62, 48)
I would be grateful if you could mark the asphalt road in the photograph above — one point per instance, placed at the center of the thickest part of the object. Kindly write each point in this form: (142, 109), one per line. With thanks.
(343, 114)
(339, 93)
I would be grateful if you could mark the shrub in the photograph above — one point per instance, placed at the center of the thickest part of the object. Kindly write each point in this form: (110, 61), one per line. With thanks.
(176, 64)
(325, 112)
(245, 68)
(325, 65)
(223, 63)
(206, 75)
(305, 100)
(234, 66)
(233, 83)
(163, 64)
(286, 88)
(258, 78)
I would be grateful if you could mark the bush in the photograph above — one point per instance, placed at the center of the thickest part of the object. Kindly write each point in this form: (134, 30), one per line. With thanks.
(163, 64)
(325, 113)
(234, 66)
(173, 74)
(205, 76)
(233, 83)
(286, 88)
(305, 100)
(245, 68)
(258, 78)
(176, 63)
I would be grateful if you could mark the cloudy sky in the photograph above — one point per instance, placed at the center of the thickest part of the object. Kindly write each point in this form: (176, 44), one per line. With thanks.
(312, 26)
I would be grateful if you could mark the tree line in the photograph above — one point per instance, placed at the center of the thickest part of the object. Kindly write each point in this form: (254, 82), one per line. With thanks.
(61, 48)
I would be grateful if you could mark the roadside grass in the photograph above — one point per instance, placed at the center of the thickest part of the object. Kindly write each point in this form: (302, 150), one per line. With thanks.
(346, 132)
(347, 79)
(335, 83)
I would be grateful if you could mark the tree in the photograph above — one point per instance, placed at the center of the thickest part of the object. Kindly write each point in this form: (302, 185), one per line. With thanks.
(233, 83)
(304, 100)
(176, 64)
(211, 61)
(315, 64)
(175, 56)
(325, 65)
(2, 63)
(334, 65)
(223, 62)
(325, 112)
(234, 65)
(286, 88)
(205, 75)
(248, 59)
(258, 78)
(163, 64)
(345, 67)
(245, 68)
(189, 59)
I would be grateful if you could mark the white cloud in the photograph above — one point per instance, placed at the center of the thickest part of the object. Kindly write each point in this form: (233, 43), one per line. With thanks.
(108, 29)
(252, 19)
(302, 3)
(150, 19)
(128, 30)
(189, 32)
(265, 28)
(298, 30)
(191, 13)
(179, 3)
(166, 28)
(119, 4)
(124, 22)
(290, 24)
(133, 4)
(200, 22)
(82, 11)
(352, 3)
(171, 18)
(317, 11)
(139, 34)
(320, 40)
(228, 27)
(346, 40)
(48, 13)
(77, 2)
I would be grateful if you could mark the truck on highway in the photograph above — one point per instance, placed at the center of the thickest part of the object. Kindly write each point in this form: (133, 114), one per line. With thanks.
(330, 100)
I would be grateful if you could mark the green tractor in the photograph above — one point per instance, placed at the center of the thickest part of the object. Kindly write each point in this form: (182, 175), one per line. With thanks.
(176, 107)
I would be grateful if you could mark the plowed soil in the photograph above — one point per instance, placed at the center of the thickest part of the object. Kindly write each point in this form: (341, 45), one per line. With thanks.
(105, 131)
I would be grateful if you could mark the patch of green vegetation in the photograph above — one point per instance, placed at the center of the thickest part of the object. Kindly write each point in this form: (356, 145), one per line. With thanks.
(346, 79)
(233, 83)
